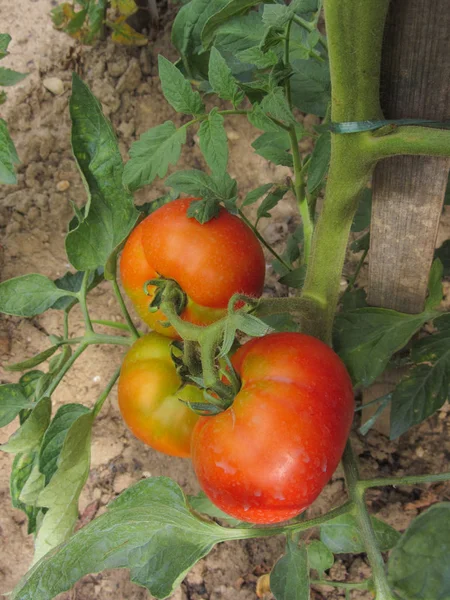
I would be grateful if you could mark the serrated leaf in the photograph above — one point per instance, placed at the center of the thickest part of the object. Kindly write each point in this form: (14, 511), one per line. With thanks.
(199, 184)
(177, 90)
(203, 210)
(61, 495)
(20, 473)
(12, 400)
(277, 15)
(152, 154)
(28, 295)
(9, 77)
(72, 282)
(366, 339)
(364, 212)
(77, 22)
(294, 279)
(231, 9)
(256, 56)
(124, 35)
(34, 361)
(320, 161)
(419, 566)
(426, 387)
(240, 33)
(8, 156)
(221, 78)
(289, 579)
(311, 86)
(275, 105)
(147, 526)
(435, 292)
(274, 146)
(256, 194)
(55, 436)
(213, 142)
(320, 557)
(270, 201)
(258, 118)
(29, 435)
(109, 214)
(342, 535)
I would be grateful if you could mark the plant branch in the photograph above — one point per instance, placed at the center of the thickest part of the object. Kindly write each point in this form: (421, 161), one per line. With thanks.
(360, 585)
(113, 324)
(300, 195)
(287, 85)
(354, 277)
(57, 380)
(126, 314)
(310, 27)
(364, 484)
(368, 536)
(82, 294)
(409, 140)
(101, 400)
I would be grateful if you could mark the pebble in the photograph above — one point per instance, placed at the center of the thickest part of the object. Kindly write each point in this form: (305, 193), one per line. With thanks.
(54, 85)
(63, 185)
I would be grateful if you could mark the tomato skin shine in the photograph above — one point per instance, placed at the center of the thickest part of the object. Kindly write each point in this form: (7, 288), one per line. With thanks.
(210, 262)
(149, 398)
(267, 458)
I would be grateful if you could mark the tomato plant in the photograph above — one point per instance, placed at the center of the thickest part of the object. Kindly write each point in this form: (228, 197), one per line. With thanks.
(272, 421)
(267, 457)
(149, 397)
(210, 261)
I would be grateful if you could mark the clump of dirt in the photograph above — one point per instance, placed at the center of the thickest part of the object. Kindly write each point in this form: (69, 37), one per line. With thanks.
(33, 220)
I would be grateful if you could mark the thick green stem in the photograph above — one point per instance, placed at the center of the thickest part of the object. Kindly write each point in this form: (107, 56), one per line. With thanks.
(368, 536)
(355, 60)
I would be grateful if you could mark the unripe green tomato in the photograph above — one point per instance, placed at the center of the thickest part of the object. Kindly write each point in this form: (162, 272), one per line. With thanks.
(149, 397)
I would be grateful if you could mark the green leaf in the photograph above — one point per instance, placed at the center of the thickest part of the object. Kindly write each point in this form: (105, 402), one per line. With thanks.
(231, 9)
(311, 86)
(443, 253)
(320, 557)
(258, 118)
(214, 142)
(275, 105)
(342, 535)
(9, 77)
(419, 565)
(55, 436)
(199, 184)
(256, 194)
(203, 210)
(20, 473)
(12, 400)
(289, 579)
(96, 15)
(354, 299)
(62, 493)
(274, 146)
(362, 243)
(240, 33)
(147, 526)
(177, 90)
(305, 6)
(72, 282)
(29, 382)
(294, 279)
(277, 15)
(149, 207)
(34, 361)
(435, 292)
(366, 339)
(5, 38)
(33, 485)
(426, 387)
(8, 156)
(152, 154)
(28, 295)
(364, 212)
(320, 161)
(270, 201)
(29, 435)
(256, 56)
(221, 78)
(202, 504)
(77, 22)
(109, 214)
(281, 322)
(249, 324)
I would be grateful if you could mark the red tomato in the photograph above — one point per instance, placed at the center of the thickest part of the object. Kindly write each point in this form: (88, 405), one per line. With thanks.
(267, 457)
(149, 397)
(210, 262)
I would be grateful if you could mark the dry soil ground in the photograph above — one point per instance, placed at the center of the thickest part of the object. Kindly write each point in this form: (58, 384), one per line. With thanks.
(33, 218)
